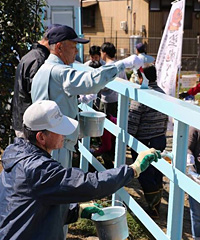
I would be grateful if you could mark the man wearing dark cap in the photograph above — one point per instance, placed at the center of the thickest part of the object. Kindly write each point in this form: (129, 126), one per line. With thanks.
(142, 54)
(146, 59)
(25, 72)
(56, 80)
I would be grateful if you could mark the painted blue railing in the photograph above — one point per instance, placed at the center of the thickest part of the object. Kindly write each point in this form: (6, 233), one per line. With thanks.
(185, 115)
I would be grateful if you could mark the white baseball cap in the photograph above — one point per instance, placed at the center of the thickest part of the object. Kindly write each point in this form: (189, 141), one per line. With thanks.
(46, 115)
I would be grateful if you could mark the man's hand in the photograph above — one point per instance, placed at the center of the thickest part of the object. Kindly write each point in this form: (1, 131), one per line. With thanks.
(87, 98)
(144, 159)
(183, 95)
(86, 210)
(132, 61)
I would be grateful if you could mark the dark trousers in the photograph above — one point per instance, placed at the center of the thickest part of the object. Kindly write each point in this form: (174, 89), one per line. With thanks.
(109, 108)
(151, 179)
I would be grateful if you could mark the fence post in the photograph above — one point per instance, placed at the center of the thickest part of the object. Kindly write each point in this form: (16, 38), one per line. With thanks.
(86, 144)
(83, 160)
(176, 194)
(122, 122)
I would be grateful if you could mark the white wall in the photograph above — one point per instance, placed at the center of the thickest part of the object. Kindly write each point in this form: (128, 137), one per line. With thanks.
(63, 12)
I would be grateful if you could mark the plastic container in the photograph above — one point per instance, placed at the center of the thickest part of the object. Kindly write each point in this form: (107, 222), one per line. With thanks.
(113, 224)
(91, 124)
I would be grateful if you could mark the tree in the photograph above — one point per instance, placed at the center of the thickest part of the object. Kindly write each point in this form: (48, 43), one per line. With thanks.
(20, 26)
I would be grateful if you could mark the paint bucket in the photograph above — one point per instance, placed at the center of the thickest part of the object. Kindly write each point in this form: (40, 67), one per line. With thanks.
(113, 224)
(91, 124)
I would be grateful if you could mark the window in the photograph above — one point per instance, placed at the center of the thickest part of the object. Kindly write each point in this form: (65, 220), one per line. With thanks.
(154, 5)
(62, 15)
(196, 6)
(88, 16)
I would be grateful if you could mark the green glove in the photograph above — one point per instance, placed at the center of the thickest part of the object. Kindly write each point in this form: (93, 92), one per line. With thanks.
(144, 159)
(86, 210)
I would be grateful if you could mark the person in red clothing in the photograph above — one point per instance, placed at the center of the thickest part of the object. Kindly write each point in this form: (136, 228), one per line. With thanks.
(107, 148)
(192, 91)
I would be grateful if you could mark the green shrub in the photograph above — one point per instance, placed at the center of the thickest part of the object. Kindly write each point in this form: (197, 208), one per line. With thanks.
(20, 26)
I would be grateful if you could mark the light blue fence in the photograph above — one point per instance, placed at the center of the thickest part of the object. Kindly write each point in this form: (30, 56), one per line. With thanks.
(185, 115)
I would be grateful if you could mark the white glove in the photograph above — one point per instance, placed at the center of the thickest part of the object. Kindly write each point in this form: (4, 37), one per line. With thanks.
(190, 159)
(132, 61)
(87, 98)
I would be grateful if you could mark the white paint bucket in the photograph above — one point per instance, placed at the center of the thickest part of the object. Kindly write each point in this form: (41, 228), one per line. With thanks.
(113, 224)
(91, 123)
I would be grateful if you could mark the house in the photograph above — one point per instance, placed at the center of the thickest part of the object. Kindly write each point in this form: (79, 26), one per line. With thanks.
(66, 12)
(127, 22)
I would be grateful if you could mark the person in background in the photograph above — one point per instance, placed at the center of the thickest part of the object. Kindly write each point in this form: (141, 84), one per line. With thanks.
(193, 162)
(109, 98)
(149, 127)
(95, 55)
(38, 195)
(95, 64)
(96, 103)
(26, 70)
(107, 148)
(192, 91)
(142, 54)
(56, 80)
(146, 59)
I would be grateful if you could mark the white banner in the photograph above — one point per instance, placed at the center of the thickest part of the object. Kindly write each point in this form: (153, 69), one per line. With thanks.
(169, 54)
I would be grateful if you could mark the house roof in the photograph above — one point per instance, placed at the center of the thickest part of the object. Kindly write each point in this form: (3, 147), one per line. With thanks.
(89, 3)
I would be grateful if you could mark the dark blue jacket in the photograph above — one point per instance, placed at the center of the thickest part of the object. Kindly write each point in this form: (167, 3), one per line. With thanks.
(35, 192)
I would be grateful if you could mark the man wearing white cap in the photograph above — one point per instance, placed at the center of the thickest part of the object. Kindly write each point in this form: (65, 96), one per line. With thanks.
(58, 81)
(37, 192)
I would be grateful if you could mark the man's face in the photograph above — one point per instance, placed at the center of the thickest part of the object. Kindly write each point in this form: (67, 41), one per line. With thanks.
(68, 51)
(53, 141)
(95, 57)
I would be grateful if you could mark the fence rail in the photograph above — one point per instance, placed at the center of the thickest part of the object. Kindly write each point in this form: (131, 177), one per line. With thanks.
(184, 115)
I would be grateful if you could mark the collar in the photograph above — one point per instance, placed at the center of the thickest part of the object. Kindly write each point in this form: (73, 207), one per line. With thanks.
(44, 49)
(54, 58)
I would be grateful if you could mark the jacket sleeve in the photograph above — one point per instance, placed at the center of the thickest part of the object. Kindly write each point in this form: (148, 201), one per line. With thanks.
(53, 184)
(72, 213)
(193, 91)
(82, 82)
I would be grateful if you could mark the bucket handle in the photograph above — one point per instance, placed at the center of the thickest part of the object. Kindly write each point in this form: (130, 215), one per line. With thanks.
(118, 202)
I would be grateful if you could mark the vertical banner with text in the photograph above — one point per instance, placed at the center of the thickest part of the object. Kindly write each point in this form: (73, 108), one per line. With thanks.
(169, 54)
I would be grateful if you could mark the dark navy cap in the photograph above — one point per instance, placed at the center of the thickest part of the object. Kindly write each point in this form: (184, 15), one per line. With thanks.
(53, 26)
(61, 33)
(141, 47)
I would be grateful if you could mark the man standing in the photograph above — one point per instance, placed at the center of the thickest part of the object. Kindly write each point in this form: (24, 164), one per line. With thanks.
(26, 69)
(109, 98)
(149, 126)
(36, 191)
(58, 81)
